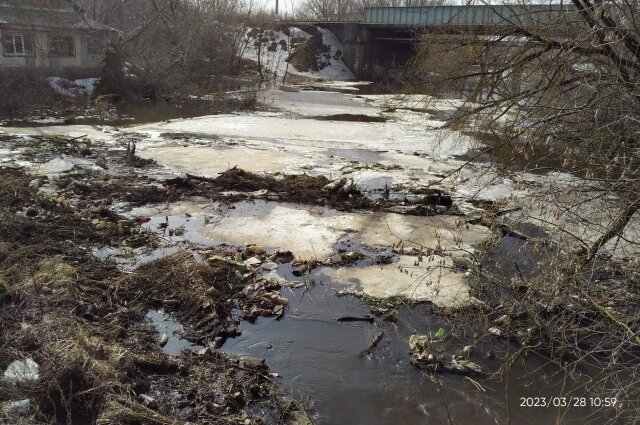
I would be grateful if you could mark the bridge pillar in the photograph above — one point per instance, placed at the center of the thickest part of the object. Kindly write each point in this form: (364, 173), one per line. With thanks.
(357, 46)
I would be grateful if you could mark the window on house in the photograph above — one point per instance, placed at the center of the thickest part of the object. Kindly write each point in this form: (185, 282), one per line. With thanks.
(62, 46)
(17, 44)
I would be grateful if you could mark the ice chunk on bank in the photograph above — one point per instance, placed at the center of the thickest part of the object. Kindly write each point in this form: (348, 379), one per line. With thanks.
(22, 371)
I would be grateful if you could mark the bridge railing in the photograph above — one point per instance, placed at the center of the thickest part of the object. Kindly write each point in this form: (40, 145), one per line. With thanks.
(467, 15)
(335, 18)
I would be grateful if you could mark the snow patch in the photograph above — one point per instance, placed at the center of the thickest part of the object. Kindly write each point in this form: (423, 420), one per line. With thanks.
(75, 88)
(276, 61)
(88, 85)
(22, 371)
(337, 70)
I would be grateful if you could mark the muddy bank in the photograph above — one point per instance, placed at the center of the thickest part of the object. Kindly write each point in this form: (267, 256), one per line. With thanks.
(80, 323)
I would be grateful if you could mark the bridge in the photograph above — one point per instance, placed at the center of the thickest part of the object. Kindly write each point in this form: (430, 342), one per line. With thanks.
(387, 35)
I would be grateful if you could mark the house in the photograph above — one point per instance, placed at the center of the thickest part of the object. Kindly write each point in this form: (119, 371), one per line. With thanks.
(51, 35)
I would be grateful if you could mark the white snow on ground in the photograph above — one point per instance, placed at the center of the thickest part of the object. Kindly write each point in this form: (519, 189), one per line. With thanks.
(88, 85)
(81, 87)
(58, 84)
(276, 61)
(337, 70)
(104, 134)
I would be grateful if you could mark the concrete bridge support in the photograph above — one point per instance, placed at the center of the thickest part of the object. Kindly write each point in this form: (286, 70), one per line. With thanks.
(357, 46)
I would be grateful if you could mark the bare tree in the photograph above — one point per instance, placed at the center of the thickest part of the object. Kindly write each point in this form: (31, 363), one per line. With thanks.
(178, 45)
(556, 92)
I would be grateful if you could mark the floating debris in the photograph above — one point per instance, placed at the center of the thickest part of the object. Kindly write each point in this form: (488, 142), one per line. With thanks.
(163, 340)
(374, 343)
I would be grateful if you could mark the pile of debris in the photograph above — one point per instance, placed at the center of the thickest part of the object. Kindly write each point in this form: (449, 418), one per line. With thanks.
(236, 184)
(427, 352)
(260, 297)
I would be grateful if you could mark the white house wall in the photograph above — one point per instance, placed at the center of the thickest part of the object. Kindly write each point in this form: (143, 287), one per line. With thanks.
(40, 57)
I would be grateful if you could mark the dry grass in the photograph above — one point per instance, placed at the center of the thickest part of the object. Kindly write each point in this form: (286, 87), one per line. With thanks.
(196, 293)
(28, 94)
(80, 320)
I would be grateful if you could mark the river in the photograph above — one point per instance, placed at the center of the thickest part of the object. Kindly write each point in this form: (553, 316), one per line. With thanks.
(384, 144)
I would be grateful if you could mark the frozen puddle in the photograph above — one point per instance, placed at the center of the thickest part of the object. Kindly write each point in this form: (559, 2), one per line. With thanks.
(315, 103)
(312, 233)
(206, 161)
(434, 280)
(318, 133)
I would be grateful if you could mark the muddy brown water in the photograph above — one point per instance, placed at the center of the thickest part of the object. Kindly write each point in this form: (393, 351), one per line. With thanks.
(319, 362)
(142, 112)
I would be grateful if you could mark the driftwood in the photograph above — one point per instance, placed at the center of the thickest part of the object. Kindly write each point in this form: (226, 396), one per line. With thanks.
(200, 178)
(355, 319)
(374, 342)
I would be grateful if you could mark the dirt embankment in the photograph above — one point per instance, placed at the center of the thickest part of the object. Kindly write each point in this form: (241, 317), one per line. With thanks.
(81, 322)
(310, 54)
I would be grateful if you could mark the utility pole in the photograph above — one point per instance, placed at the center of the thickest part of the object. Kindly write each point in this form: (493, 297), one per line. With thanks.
(276, 7)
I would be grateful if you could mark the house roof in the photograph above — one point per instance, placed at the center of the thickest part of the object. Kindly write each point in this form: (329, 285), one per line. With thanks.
(48, 18)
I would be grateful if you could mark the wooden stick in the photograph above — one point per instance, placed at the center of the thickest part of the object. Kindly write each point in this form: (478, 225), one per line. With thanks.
(374, 342)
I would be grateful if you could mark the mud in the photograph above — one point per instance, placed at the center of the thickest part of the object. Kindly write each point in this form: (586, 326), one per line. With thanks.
(82, 321)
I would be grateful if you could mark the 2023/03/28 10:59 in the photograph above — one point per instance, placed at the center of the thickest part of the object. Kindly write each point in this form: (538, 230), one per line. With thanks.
(567, 401)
